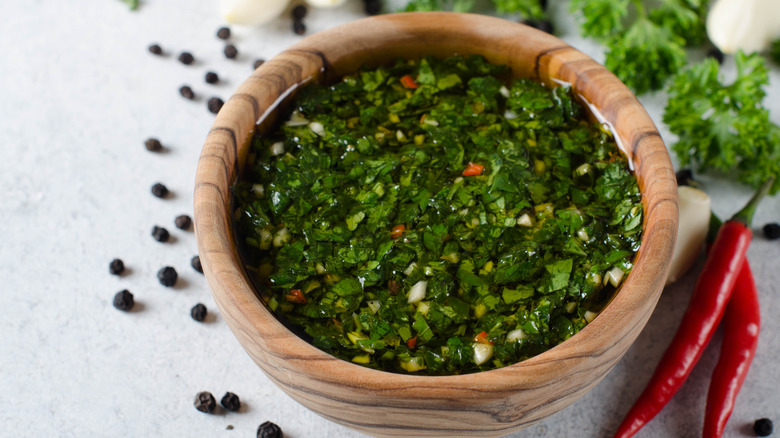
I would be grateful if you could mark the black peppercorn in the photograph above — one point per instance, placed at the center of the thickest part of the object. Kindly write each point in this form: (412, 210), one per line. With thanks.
(299, 28)
(269, 430)
(258, 63)
(684, 177)
(372, 7)
(223, 33)
(160, 234)
(212, 78)
(715, 54)
(231, 51)
(772, 231)
(183, 222)
(543, 25)
(205, 402)
(230, 402)
(155, 49)
(186, 58)
(186, 92)
(116, 267)
(763, 427)
(299, 12)
(153, 145)
(198, 313)
(123, 300)
(160, 190)
(167, 276)
(215, 104)
(195, 263)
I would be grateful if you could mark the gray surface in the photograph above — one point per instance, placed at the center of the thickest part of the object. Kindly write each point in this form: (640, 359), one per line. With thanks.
(79, 95)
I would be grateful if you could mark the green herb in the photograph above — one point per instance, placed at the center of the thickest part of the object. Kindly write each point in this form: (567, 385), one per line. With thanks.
(645, 45)
(402, 211)
(132, 4)
(725, 128)
(529, 9)
(774, 51)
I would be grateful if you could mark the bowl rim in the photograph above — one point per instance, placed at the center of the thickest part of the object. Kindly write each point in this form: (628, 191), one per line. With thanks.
(254, 324)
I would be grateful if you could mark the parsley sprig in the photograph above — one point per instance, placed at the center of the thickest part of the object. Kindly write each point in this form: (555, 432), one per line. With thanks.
(132, 4)
(645, 46)
(722, 127)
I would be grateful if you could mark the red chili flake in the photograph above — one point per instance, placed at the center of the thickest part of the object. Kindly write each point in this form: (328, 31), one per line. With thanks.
(473, 169)
(295, 296)
(398, 231)
(412, 342)
(482, 338)
(408, 82)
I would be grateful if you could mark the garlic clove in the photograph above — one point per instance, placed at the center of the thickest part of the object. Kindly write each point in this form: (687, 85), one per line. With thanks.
(325, 3)
(251, 12)
(747, 25)
(692, 230)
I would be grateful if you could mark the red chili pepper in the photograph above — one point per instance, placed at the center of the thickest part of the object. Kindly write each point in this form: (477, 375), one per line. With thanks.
(482, 338)
(741, 324)
(408, 82)
(473, 169)
(295, 296)
(710, 296)
(412, 342)
(397, 231)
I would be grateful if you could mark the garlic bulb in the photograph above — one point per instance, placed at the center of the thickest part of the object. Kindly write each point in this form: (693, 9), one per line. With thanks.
(747, 25)
(692, 230)
(251, 12)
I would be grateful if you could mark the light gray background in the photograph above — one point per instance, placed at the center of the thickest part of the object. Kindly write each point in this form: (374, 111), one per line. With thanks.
(79, 93)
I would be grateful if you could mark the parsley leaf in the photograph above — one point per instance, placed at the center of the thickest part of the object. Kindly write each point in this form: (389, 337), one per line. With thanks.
(725, 128)
(774, 51)
(644, 45)
(601, 18)
(132, 4)
(531, 9)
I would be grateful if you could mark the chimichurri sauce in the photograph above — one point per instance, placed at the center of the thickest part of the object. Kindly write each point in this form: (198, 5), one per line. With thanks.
(430, 218)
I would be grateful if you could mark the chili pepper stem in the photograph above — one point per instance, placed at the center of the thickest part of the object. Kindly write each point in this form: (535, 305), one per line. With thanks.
(745, 216)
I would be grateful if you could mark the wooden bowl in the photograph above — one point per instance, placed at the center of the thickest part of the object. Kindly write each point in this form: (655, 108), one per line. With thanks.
(490, 403)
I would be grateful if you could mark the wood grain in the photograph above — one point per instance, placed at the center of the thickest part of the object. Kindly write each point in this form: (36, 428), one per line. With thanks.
(491, 403)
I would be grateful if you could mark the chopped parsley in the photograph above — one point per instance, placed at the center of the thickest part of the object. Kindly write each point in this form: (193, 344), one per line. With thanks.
(434, 217)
